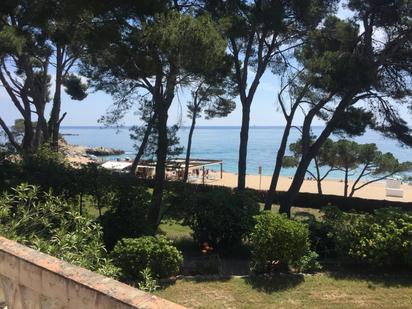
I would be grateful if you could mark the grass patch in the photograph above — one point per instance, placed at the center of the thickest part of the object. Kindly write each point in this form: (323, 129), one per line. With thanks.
(180, 234)
(174, 230)
(298, 213)
(291, 291)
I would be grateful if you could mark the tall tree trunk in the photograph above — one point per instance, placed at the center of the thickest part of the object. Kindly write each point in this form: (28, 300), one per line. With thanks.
(244, 136)
(345, 190)
(318, 178)
(29, 135)
(162, 105)
(189, 147)
(54, 123)
(161, 154)
(310, 153)
(143, 144)
(40, 91)
(42, 130)
(319, 184)
(278, 166)
(286, 202)
(283, 144)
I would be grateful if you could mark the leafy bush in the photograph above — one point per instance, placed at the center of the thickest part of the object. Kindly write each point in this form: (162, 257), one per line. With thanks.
(133, 255)
(277, 242)
(320, 232)
(222, 217)
(47, 169)
(126, 218)
(47, 223)
(180, 197)
(378, 240)
(309, 262)
(148, 283)
(45, 156)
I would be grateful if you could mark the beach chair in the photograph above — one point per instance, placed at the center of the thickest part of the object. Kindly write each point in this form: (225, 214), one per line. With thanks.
(393, 188)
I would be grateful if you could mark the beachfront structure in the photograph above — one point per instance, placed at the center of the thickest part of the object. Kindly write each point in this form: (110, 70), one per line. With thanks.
(118, 166)
(393, 188)
(199, 169)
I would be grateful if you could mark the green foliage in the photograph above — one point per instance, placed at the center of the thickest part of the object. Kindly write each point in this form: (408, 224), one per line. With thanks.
(148, 283)
(74, 87)
(382, 239)
(223, 218)
(351, 158)
(277, 242)
(38, 39)
(45, 157)
(18, 127)
(11, 41)
(174, 149)
(353, 122)
(47, 223)
(47, 169)
(332, 64)
(181, 198)
(134, 255)
(309, 262)
(126, 217)
(319, 231)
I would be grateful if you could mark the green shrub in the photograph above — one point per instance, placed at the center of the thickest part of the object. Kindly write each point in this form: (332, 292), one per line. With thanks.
(277, 242)
(223, 218)
(180, 197)
(309, 262)
(47, 223)
(45, 156)
(321, 231)
(382, 239)
(133, 255)
(126, 217)
(148, 283)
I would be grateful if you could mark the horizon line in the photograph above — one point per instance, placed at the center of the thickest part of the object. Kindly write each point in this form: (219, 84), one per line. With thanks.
(184, 126)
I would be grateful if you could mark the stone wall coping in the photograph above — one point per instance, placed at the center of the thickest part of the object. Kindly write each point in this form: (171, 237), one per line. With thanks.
(119, 292)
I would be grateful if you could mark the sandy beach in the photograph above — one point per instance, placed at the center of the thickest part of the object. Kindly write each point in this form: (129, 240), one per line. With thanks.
(372, 191)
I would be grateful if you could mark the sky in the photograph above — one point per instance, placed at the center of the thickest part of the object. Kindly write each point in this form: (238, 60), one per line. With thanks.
(264, 109)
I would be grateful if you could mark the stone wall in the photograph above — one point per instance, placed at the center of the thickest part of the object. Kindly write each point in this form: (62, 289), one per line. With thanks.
(32, 280)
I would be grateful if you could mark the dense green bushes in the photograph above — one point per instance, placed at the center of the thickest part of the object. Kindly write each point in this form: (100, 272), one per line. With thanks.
(382, 239)
(277, 242)
(126, 216)
(49, 224)
(222, 217)
(134, 255)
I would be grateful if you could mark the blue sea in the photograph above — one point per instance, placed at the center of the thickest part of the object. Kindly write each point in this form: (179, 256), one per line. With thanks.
(222, 143)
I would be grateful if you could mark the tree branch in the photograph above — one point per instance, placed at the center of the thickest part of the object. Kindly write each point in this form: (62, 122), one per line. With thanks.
(10, 135)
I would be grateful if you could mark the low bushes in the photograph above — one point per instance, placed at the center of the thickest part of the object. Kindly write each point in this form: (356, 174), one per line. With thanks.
(134, 255)
(222, 217)
(126, 217)
(382, 239)
(49, 224)
(277, 242)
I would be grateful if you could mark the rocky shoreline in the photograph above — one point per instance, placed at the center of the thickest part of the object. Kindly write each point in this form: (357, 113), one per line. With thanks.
(102, 151)
(83, 155)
